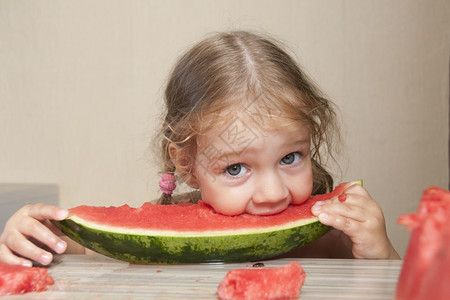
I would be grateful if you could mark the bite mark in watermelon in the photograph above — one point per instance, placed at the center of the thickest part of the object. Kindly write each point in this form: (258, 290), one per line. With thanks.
(192, 233)
(271, 283)
(20, 279)
(425, 272)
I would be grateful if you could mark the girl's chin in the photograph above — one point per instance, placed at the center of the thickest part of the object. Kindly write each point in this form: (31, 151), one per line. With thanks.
(260, 210)
(255, 211)
(226, 211)
(266, 211)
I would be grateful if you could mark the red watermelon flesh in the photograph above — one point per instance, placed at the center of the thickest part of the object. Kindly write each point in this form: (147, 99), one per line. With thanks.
(20, 279)
(272, 283)
(425, 272)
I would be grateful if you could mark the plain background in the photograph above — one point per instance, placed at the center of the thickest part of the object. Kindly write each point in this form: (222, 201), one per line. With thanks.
(81, 87)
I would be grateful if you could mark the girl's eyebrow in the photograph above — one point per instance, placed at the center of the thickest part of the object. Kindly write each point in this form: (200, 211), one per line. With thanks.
(233, 155)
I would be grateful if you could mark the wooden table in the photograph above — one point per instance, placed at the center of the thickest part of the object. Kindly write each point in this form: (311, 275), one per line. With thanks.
(98, 277)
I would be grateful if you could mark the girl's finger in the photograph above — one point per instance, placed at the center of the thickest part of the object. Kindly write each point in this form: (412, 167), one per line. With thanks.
(357, 189)
(345, 209)
(346, 225)
(44, 211)
(53, 228)
(10, 258)
(40, 232)
(17, 243)
(353, 199)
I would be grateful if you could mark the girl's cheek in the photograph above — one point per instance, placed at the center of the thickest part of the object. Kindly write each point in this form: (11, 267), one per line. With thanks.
(302, 196)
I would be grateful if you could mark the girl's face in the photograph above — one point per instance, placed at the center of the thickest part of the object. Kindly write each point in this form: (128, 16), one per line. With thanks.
(245, 167)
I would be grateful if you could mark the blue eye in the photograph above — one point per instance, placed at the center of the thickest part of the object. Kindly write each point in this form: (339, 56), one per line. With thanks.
(290, 158)
(236, 170)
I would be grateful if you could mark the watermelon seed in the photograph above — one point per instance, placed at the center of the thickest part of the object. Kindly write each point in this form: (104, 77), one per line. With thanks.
(258, 265)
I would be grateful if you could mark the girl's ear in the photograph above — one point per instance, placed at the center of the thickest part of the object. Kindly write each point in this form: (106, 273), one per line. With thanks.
(184, 164)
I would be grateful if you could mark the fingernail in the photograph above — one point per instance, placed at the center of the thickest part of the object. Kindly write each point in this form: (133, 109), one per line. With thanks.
(27, 263)
(62, 214)
(46, 259)
(323, 216)
(60, 247)
(317, 206)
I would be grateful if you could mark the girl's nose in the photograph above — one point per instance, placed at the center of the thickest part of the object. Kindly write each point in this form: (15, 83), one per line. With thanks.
(270, 188)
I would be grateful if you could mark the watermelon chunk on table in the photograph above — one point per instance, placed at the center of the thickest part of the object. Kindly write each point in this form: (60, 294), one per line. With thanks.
(271, 283)
(425, 272)
(20, 279)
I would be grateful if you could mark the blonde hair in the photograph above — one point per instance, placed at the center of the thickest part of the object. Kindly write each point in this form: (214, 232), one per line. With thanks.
(231, 69)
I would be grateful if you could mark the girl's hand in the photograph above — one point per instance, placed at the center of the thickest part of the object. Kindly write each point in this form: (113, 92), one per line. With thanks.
(358, 216)
(28, 227)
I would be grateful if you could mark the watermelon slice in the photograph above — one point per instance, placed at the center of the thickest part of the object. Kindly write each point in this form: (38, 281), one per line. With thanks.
(192, 233)
(272, 283)
(20, 279)
(425, 272)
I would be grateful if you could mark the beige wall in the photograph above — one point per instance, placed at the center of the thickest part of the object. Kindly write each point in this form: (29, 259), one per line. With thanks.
(81, 85)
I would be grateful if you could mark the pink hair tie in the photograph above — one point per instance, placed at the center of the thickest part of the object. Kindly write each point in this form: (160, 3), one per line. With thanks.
(167, 183)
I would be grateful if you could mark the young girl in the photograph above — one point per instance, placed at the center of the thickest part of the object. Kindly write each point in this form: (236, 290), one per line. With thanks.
(247, 130)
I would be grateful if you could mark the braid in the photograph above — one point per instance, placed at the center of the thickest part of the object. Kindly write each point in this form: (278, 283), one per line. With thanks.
(166, 196)
(169, 167)
(165, 199)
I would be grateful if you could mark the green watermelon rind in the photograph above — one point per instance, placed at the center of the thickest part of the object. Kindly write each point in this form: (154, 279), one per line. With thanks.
(209, 248)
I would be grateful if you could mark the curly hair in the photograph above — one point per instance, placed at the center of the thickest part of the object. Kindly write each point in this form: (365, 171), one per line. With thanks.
(209, 78)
